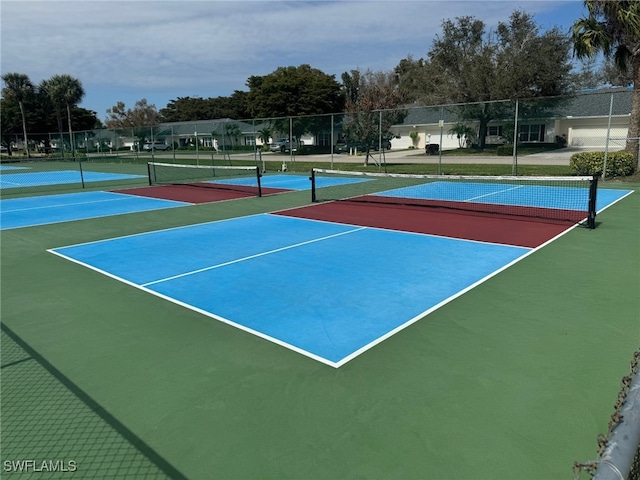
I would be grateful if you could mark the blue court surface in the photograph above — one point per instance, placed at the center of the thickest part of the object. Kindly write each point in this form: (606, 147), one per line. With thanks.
(11, 167)
(36, 179)
(504, 194)
(31, 211)
(290, 182)
(328, 291)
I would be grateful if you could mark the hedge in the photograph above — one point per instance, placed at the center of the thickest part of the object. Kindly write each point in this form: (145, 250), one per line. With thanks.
(619, 164)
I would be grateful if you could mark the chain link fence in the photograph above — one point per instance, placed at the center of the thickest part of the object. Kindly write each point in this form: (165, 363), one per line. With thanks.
(440, 134)
(50, 429)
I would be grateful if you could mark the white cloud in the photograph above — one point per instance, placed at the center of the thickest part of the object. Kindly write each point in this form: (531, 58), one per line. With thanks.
(214, 46)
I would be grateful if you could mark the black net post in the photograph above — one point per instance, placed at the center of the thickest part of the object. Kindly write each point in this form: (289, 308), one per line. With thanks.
(81, 174)
(313, 185)
(258, 176)
(593, 193)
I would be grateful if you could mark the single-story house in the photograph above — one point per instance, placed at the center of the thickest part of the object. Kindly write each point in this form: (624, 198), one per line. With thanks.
(216, 133)
(588, 120)
(584, 120)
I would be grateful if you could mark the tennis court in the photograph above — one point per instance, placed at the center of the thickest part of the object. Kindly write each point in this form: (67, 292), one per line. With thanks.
(343, 313)
(198, 342)
(49, 209)
(32, 211)
(271, 257)
(42, 210)
(57, 177)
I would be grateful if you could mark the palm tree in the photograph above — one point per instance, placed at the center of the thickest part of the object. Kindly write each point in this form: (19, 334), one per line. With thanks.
(65, 91)
(264, 135)
(45, 88)
(463, 132)
(613, 29)
(19, 85)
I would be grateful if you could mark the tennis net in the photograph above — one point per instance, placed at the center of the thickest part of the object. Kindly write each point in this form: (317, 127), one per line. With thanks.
(557, 199)
(238, 178)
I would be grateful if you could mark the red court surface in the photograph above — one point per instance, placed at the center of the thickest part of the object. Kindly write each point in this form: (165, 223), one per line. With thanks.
(518, 231)
(196, 194)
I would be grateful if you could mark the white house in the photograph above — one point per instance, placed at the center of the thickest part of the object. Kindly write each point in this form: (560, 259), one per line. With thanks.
(585, 120)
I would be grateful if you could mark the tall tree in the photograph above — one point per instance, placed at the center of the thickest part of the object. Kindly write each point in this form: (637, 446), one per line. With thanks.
(42, 118)
(612, 75)
(139, 120)
(20, 87)
(142, 114)
(45, 89)
(303, 95)
(372, 100)
(185, 109)
(613, 29)
(65, 92)
(467, 64)
(418, 82)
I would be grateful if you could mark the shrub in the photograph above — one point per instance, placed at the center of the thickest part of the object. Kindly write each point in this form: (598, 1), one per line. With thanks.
(619, 164)
(504, 150)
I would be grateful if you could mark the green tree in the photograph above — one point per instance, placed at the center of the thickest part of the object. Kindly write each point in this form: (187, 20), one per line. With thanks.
(42, 119)
(264, 134)
(142, 114)
(139, 120)
(372, 100)
(614, 76)
(185, 109)
(65, 92)
(10, 121)
(463, 132)
(303, 95)
(613, 29)
(20, 87)
(45, 89)
(232, 130)
(467, 64)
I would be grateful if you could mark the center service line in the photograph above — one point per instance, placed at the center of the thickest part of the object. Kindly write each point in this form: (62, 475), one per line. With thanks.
(253, 256)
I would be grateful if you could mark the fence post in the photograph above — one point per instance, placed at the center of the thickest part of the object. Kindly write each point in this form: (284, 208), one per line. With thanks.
(514, 167)
(606, 144)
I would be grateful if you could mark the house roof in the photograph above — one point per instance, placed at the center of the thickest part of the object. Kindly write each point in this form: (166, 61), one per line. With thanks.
(587, 104)
(584, 105)
(597, 103)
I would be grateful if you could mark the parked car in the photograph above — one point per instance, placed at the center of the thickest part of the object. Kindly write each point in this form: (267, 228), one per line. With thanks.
(281, 145)
(341, 147)
(157, 145)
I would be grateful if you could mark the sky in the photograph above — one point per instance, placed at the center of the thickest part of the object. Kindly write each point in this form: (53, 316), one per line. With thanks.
(161, 50)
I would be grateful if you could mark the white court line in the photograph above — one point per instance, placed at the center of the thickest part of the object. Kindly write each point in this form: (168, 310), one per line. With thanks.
(41, 207)
(493, 193)
(251, 256)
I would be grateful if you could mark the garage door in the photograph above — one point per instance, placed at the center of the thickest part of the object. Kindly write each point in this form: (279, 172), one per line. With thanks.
(588, 136)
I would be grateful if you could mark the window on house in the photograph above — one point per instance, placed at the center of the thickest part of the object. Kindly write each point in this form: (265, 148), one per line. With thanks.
(531, 133)
(324, 139)
(494, 130)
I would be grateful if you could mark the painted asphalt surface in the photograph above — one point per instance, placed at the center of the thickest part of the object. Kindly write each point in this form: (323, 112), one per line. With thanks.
(313, 287)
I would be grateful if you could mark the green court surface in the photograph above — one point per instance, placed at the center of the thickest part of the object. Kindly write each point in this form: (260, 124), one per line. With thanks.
(514, 379)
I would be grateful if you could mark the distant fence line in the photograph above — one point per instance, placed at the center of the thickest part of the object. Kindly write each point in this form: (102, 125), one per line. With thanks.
(593, 120)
